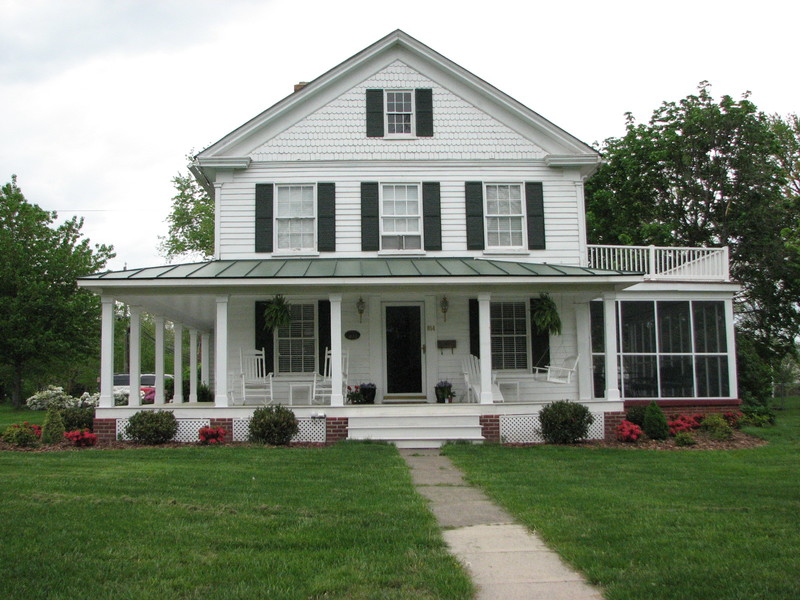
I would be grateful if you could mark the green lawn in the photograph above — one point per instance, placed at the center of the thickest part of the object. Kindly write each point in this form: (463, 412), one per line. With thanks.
(234, 523)
(10, 415)
(660, 525)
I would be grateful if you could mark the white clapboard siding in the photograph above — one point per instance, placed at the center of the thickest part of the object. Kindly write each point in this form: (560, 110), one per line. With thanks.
(337, 131)
(561, 204)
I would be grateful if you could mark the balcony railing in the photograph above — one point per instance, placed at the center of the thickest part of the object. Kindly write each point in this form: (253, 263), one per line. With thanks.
(657, 262)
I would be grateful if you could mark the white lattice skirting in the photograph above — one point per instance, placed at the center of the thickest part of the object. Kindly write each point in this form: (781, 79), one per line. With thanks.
(311, 430)
(525, 429)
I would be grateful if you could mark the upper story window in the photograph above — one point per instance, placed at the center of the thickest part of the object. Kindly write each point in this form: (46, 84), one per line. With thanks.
(295, 218)
(399, 112)
(401, 227)
(505, 217)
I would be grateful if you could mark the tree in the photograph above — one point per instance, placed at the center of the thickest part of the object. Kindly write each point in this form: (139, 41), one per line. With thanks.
(191, 220)
(708, 173)
(45, 320)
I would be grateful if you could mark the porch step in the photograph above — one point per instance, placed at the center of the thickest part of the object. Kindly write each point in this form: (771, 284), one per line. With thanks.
(416, 431)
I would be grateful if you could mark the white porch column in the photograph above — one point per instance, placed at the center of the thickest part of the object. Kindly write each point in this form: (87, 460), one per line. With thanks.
(733, 383)
(192, 365)
(221, 352)
(135, 354)
(584, 332)
(205, 355)
(485, 328)
(107, 353)
(337, 398)
(612, 367)
(177, 396)
(159, 324)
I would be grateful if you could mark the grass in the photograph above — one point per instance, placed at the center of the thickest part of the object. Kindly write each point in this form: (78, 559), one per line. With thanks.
(10, 415)
(660, 525)
(235, 523)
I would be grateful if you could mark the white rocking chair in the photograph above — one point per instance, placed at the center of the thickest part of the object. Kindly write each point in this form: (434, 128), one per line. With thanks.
(323, 384)
(256, 381)
(558, 374)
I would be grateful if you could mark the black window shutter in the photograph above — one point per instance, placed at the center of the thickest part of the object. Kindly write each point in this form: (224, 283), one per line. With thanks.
(534, 201)
(369, 216)
(323, 331)
(473, 192)
(264, 337)
(263, 217)
(374, 113)
(474, 328)
(424, 109)
(326, 217)
(432, 215)
(540, 343)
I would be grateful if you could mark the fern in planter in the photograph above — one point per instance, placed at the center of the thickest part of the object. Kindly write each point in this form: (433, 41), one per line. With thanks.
(544, 314)
(278, 313)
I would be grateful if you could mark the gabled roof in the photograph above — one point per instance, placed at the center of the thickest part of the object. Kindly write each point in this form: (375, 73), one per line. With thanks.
(563, 148)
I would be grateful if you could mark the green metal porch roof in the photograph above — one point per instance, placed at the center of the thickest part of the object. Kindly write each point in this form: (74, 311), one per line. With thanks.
(298, 268)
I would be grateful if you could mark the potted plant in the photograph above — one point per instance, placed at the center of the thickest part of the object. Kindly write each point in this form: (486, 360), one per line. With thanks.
(444, 392)
(278, 313)
(544, 314)
(354, 395)
(368, 392)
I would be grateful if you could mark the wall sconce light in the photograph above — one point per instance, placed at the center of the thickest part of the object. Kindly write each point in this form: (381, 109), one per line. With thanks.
(360, 307)
(444, 304)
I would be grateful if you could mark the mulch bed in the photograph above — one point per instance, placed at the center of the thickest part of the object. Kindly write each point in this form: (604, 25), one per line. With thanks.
(739, 441)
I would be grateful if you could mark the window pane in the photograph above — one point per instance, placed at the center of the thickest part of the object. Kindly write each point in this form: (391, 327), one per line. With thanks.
(597, 317)
(297, 341)
(638, 327)
(599, 375)
(674, 327)
(509, 340)
(677, 377)
(709, 326)
(712, 376)
(639, 376)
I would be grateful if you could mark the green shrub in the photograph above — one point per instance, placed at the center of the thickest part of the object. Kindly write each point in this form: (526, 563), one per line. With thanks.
(53, 427)
(684, 438)
(273, 425)
(655, 423)
(717, 428)
(22, 436)
(152, 427)
(78, 418)
(758, 416)
(635, 415)
(565, 422)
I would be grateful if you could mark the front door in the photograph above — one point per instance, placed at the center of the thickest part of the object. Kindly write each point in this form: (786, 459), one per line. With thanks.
(403, 343)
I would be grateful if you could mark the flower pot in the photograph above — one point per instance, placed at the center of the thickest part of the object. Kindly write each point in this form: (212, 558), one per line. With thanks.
(442, 394)
(369, 395)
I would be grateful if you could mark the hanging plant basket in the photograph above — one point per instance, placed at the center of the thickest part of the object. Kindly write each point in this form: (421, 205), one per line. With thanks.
(544, 314)
(278, 313)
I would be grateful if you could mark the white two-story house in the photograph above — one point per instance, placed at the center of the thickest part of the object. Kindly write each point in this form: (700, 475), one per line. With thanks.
(412, 215)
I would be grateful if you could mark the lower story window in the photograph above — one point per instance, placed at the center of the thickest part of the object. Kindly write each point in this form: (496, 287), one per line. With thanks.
(296, 343)
(509, 325)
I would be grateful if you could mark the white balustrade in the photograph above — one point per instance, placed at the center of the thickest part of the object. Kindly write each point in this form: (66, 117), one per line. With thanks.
(660, 262)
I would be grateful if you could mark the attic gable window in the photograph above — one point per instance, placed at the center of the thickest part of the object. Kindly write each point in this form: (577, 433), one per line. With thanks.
(399, 112)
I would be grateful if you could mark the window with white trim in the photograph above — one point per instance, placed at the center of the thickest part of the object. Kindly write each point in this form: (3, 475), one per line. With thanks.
(401, 217)
(399, 112)
(295, 218)
(509, 326)
(296, 343)
(505, 218)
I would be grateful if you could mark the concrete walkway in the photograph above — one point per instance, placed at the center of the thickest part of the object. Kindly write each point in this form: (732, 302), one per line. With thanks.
(504, 559)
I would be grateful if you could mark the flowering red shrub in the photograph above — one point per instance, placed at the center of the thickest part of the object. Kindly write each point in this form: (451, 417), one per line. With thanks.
(733, 418)
(37, 429)
(684, 423)
(212, 435)
(628, 432)
(81, 437)
(149, 395)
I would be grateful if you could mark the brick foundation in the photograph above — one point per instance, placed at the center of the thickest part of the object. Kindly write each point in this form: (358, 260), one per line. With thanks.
(105, 429)
(226, 424)
(490, 428)
(336, 429)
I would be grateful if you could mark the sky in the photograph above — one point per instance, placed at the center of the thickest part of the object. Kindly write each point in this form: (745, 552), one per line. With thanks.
(101, 100)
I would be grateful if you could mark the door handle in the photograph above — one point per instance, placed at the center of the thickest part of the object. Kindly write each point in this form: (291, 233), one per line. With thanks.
(424, 350)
